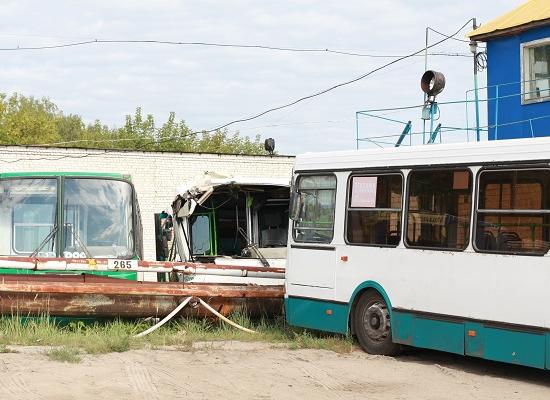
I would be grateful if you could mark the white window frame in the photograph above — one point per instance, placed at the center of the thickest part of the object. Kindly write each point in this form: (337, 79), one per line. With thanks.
(525, 68)
(374, 209)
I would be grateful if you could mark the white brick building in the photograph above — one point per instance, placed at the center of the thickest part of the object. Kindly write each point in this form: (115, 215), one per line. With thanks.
(155, 175)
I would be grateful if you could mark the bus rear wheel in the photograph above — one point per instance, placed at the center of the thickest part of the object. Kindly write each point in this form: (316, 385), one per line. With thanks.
(372, 327)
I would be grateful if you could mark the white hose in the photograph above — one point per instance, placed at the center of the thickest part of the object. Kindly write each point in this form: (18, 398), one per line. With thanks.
(178, 309)
(165, 319)
(217, 314)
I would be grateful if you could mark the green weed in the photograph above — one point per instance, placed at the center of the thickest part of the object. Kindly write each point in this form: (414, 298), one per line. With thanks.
(102, 337)
(4, 349)
(64, 354)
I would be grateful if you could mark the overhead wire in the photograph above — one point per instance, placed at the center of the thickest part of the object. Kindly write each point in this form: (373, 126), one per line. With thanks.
(341, 84)
(447, 36)
(258, 115)
(213, 44)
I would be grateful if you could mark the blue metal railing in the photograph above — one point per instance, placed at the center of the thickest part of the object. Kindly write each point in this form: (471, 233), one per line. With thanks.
(427, 137)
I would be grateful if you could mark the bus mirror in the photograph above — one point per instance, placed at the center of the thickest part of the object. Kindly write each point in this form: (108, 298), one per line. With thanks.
(296, 204)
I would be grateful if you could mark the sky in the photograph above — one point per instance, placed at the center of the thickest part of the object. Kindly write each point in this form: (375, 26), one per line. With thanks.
(210, 86)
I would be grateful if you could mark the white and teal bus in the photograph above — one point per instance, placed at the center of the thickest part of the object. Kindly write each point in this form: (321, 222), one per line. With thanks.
(440, 246)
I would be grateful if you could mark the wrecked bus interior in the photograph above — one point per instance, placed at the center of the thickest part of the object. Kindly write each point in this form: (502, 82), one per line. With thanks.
(223, 219)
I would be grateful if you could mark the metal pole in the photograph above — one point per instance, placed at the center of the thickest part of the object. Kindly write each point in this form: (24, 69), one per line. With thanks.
(432, 114)
(425, 98)
(357, 130)
(496, 111)
(467, 119)
(426, 53)
(476, 91)
(478, 130)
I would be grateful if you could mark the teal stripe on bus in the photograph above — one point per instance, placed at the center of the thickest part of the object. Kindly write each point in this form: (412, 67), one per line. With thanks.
(489, 341)
(427, 333)
(312, 313)
(317, 314)
(515, 346)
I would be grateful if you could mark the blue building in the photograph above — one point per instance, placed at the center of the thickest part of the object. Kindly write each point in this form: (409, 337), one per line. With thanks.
(518, 71)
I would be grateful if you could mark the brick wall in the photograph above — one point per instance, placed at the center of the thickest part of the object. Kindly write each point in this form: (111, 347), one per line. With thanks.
(155, 175)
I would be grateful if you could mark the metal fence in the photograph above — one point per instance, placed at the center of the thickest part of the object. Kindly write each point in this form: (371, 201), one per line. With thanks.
(465, 120)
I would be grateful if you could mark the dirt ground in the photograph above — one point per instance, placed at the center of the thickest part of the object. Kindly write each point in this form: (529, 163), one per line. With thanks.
(233, 370)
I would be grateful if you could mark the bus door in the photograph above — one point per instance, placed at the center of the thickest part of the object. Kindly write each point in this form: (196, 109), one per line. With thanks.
(312, 258)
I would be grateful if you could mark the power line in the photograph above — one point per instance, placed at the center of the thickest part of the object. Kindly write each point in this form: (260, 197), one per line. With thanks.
(80, 156)
(211, 44)
(447, 36)
(290, 104)
(339, 84)
(84, 141)
(398, 56)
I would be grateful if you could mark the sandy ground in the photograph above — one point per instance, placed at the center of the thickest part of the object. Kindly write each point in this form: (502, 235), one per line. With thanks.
(258, 371)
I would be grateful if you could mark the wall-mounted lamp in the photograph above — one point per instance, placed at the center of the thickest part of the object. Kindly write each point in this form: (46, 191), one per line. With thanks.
(473, 47)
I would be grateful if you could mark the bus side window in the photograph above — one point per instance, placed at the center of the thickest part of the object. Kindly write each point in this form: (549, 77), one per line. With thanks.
(315, 223)
(374, 210)
(513, 212)
(438, 212)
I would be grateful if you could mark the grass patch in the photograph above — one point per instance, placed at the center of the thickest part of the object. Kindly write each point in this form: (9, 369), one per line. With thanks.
(118, 335)
(113, 337)
(309, 340)
(64, 354)
(5, 349)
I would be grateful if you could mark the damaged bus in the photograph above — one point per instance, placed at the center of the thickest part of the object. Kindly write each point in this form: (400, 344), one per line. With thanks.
(232, 221)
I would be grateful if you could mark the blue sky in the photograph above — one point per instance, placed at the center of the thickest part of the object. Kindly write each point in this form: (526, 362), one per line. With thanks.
(210, 86)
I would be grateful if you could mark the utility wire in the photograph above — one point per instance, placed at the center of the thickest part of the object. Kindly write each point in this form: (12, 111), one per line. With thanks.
(447, 36)
(209, 44)
(363, 76)
(290, 104)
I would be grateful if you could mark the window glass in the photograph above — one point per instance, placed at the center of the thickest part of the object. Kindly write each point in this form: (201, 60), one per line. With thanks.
(374, 210)
(537, 72)
(200, 234)
(98, 218)
(439, 207)
(28, 217)
(315, 223)
(514, 211)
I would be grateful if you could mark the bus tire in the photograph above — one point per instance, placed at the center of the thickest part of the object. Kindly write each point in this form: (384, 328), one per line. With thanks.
(371, 323)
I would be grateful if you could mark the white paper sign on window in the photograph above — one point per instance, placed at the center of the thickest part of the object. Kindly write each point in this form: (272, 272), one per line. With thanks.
(363, 191)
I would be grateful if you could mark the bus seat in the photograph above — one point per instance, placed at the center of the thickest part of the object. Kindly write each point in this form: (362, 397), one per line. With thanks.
(487, 241)
(509, 241)
(274, 235)
(393, 238)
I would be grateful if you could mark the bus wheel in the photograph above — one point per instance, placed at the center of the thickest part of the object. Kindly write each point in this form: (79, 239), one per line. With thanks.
(372, 325)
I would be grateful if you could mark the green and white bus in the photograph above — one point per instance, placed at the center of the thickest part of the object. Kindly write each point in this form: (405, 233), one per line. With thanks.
(69, 215)
(440, 246)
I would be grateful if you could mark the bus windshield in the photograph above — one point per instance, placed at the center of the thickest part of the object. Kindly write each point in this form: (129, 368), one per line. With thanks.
(28, 216)
(96, 218)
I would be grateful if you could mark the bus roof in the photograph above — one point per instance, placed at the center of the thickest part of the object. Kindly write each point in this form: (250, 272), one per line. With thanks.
(472, 153)
(66, 174)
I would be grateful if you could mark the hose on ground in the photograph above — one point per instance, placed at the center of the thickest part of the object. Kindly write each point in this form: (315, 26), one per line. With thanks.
(180, 307)
(165, 319)
(217, 314)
